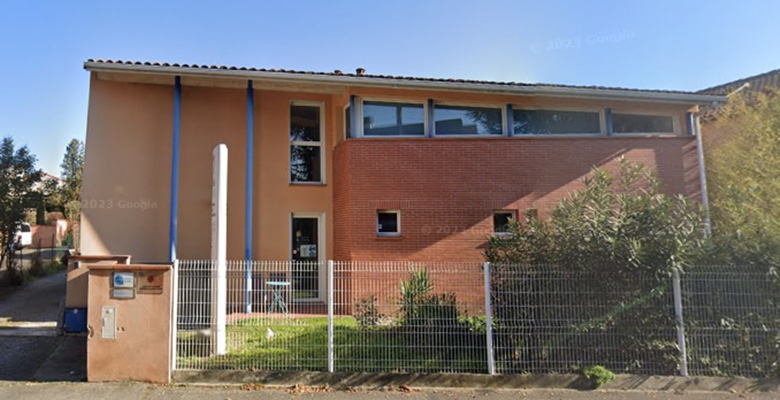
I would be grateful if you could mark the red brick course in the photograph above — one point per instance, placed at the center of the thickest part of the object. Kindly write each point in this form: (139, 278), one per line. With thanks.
(448, 188)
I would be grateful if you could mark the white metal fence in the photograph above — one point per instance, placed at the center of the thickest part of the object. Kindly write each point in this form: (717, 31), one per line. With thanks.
(476, 318)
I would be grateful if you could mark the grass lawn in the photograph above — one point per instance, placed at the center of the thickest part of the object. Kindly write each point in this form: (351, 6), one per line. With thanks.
(301, 344)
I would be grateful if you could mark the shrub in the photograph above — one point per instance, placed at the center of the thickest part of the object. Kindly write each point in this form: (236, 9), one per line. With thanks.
(434, 316)
(598, 375)
(36, 264)
(367, 313)
(596, 282)
(421, 308)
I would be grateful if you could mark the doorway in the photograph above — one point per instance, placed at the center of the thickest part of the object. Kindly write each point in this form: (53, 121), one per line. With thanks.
(307, 250)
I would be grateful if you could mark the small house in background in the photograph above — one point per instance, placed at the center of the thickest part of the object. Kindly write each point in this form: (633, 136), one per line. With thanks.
(48, 179)
(749, 87)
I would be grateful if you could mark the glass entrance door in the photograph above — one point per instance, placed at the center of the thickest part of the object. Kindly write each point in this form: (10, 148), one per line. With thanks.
(305, 258)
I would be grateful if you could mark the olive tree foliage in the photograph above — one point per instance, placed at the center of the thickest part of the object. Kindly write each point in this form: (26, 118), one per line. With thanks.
(591, 283)
(18, 176)
(743, 162)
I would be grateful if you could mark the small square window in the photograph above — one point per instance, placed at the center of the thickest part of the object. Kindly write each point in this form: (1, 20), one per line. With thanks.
(501, 221)
(388, 223)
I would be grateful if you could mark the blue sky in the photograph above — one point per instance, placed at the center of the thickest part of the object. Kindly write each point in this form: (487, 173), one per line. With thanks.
(664, 44)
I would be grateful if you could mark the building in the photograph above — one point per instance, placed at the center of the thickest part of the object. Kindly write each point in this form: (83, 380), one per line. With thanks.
(750, 87)
(47, 180)
(353, 166)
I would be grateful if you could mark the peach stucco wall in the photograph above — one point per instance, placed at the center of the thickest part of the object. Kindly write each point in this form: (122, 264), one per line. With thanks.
(128, 163)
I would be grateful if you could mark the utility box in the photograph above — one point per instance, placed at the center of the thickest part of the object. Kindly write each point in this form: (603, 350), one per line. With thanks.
(129, 323)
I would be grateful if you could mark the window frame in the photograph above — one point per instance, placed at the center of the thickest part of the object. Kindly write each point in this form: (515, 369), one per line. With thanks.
(398, 223)
(321, 250)
(359, 104)
(493, 215)
(502, 107)
(599, 111)
(321, 143)
(675, 123)
(429, 120)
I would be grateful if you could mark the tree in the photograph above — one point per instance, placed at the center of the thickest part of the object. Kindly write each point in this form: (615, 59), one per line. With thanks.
(743, 160)
(72, 168)
(617, 221)
(18, 175)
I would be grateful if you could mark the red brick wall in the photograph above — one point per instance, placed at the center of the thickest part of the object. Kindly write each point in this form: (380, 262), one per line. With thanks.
(448, 188)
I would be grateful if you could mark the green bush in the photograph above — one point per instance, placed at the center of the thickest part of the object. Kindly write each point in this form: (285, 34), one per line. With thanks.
(434, 319)
(421, 308)
(36, 265)
(67, 241)
(367, 313)
(592, 283)
(598, 375)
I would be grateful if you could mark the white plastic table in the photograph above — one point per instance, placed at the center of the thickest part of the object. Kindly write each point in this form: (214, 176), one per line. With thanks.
(278, 300)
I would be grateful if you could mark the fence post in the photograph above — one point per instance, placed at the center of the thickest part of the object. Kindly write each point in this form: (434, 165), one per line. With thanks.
(678, 314)
(174, 312)
(489, 316)
(330, 316)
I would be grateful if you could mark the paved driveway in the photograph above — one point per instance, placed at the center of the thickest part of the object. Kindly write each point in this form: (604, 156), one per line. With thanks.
(29, 346)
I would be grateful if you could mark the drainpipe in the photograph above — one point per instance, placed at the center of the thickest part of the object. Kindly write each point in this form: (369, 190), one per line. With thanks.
(705, 201)
(174, 213)
(249, 186)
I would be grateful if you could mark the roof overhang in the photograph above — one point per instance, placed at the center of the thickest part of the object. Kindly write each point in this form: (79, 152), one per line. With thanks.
(162, 74)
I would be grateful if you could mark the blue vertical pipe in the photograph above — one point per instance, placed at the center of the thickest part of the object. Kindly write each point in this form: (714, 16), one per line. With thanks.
(174, 221)
(352, 117)
(510, 121)
(431, 123)
(689, 123)
(608, 121)
(248, 201)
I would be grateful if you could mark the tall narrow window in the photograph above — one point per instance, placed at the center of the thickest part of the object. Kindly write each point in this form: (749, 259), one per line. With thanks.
(347, 122)
(305, 143)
